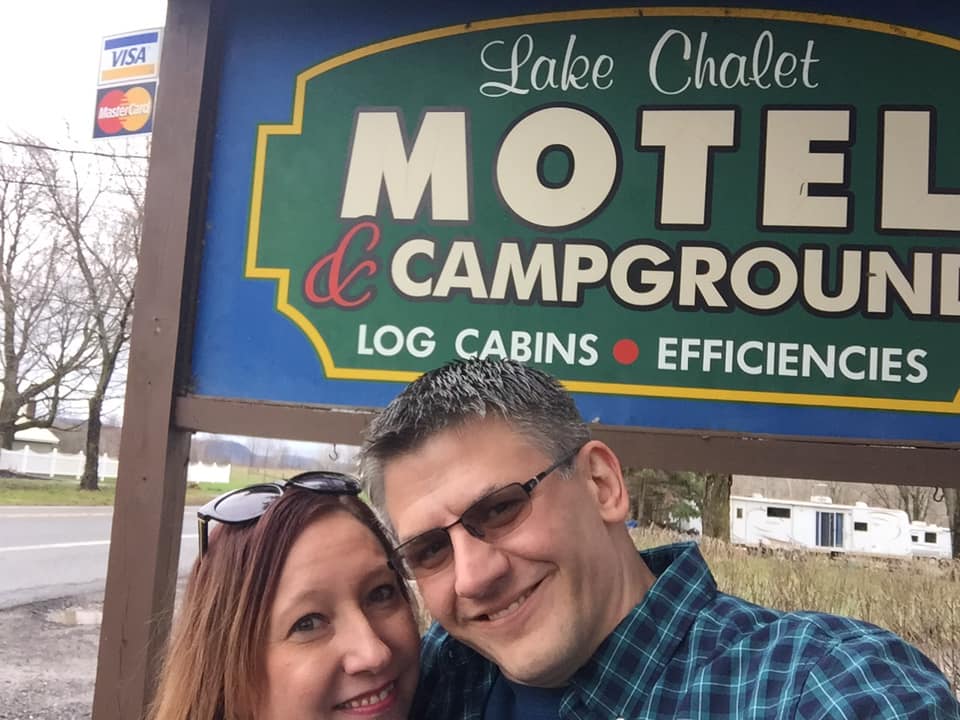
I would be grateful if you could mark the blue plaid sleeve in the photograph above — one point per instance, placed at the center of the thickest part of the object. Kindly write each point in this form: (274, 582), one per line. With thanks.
(876, 675)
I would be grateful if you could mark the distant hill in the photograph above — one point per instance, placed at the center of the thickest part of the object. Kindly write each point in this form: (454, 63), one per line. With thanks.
(264, 454)
(216, 450)
(72, 434)
(250, 452)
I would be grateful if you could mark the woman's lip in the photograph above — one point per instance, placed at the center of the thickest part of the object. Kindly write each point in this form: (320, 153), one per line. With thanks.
(372, 708)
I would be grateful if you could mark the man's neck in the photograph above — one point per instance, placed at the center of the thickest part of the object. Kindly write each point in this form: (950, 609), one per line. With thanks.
(637, 579)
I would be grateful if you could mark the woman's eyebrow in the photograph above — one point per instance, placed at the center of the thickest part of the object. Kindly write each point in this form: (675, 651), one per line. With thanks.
(306, 595)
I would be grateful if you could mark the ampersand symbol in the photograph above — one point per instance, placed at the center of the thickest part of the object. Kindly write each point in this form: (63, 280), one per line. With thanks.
(329, 271)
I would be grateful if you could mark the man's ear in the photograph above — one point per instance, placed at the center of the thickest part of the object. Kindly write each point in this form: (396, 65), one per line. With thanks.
(606, 481)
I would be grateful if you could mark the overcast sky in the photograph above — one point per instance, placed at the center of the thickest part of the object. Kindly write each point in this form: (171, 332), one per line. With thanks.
(49, 58)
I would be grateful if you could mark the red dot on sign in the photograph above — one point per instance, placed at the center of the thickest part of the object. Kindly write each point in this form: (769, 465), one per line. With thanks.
(625, 351)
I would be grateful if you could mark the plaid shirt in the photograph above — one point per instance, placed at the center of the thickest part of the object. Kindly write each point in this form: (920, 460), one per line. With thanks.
(688, 651)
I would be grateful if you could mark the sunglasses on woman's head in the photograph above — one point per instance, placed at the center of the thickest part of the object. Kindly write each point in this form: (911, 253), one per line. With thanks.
(247, 504)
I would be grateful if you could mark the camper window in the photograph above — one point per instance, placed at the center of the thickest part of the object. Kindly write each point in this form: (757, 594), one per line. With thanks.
(830, 529)
(930, 538)
(860, 526)
(913, 538)
(780, 512)
(739, 513)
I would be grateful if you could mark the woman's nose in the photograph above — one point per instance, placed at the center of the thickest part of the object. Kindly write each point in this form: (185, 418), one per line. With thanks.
(364, 650)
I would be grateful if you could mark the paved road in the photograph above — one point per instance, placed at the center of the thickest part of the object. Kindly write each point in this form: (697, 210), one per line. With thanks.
(50, 552)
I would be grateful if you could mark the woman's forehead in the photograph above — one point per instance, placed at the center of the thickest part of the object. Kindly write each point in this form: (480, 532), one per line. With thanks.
(334, 551)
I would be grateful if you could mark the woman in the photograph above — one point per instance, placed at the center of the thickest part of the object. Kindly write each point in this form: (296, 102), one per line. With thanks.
(292, 612)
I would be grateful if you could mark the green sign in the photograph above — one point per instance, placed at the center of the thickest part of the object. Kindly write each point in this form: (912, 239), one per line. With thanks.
(722, 204)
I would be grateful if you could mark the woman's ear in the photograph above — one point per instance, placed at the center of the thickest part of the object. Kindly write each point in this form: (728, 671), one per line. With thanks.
(606, 481)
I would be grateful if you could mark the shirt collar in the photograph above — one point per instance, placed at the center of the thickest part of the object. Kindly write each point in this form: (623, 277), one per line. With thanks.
(634, 655)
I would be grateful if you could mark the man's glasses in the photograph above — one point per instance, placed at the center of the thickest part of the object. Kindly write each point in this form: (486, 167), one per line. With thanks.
(488, 519)
(249, 503)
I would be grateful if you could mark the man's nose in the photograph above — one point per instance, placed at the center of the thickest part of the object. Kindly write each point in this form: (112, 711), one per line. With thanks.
(478, 566)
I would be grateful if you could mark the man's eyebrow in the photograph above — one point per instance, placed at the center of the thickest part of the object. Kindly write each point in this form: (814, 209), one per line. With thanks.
(487, 492)
(491, 489)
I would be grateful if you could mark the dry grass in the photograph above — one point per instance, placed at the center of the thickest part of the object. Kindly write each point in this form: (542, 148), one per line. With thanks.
(919, 600)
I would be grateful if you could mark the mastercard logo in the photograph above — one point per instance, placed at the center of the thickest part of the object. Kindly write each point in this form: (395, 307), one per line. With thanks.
(124, 110)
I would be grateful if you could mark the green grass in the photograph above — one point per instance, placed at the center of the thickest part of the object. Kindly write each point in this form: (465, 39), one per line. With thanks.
(51, 491)
(66, 491)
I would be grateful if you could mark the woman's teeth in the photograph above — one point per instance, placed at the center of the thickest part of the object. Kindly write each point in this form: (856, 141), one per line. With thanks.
(371, 699)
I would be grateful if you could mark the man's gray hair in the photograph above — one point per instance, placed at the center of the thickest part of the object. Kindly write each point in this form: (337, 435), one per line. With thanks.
(529, 400)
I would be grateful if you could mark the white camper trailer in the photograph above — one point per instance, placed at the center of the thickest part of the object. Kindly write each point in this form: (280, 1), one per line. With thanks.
(819, 525)
(927, 540)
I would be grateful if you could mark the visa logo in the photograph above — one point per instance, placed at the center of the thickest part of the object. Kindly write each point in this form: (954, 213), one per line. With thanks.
(130, 57)
(123, 57)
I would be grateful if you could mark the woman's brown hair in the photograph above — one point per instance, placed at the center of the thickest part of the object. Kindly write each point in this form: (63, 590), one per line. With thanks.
(213, 667)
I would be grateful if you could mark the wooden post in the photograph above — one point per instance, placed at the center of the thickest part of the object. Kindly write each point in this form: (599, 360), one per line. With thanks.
(151, 483)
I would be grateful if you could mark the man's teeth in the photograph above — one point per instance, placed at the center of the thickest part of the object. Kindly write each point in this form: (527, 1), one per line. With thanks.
(371, 699)
(510, 608)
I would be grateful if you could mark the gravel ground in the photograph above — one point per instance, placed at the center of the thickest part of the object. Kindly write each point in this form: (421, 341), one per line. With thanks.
(48, 668)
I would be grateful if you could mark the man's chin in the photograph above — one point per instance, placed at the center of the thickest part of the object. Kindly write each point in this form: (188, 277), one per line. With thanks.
(535, 670)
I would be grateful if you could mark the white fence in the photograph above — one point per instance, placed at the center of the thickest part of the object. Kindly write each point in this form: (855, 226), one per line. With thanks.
(31, 462)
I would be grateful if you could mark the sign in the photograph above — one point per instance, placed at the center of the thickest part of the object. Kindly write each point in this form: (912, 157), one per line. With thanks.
(130, 57)
(124, 110)
(696, 217)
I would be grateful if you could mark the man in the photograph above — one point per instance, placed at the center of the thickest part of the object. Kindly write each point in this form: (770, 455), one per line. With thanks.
(511, 520)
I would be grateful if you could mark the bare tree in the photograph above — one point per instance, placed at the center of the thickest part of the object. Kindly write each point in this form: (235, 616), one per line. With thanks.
(914, 500)
(951, 497)
(659, 496)
(663, 497)
(104, 242)
(264, 453)
(45, 336)
(716, 505)
(639, 482)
